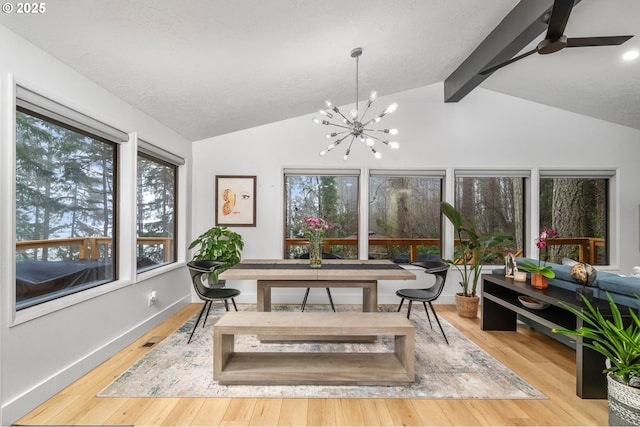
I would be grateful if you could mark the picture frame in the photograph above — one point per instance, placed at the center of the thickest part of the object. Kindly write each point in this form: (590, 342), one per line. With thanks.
(510, 267)
(235, 200)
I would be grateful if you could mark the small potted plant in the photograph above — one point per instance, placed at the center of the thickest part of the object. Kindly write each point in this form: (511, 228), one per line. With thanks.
(540, 274)
(218, 244)
(620, 346)
(469, 263)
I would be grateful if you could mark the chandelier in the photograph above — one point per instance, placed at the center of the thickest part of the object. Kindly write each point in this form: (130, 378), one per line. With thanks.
(356, 127)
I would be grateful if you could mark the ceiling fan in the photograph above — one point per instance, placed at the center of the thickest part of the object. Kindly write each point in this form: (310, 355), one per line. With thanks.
(555, 39)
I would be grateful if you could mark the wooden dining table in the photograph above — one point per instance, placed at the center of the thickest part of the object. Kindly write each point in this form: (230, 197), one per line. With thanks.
(334, 273)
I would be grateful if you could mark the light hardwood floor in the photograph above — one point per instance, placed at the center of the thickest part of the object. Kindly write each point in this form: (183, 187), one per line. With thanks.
(546, 364)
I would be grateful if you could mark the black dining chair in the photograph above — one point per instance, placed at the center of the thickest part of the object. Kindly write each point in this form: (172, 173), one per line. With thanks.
(200, 271)
(439, 269)
(325, 255)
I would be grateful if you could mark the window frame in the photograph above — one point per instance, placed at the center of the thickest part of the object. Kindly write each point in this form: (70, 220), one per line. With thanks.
(25, 97)
(409, 173)
(165, 158)
(524, 174)
(174, 242)
(612, 205)
(335, 172)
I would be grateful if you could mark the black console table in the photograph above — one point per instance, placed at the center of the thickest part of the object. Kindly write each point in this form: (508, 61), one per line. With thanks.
(501, 308)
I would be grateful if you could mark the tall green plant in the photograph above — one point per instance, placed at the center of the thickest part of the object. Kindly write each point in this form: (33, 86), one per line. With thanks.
(473, 249)
(619, 344)
(218, 244)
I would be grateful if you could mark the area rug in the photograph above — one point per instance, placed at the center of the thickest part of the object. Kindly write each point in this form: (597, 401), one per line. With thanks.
(460, 370)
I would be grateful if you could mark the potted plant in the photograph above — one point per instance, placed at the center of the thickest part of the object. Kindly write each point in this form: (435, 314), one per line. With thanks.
(620, 346)
(469, 263)
(218, 244)
(540, 274)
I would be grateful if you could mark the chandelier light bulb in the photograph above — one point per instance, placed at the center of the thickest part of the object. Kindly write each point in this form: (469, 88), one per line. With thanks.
(325, 113)
(331, 135)
(331, 147)
(316, 120)
(393, 131)
(369, 142)
(323, 152)
(346, 155)
(394, 145)
(391, 108)
(328, 103)
(373, 95)
(354, 113)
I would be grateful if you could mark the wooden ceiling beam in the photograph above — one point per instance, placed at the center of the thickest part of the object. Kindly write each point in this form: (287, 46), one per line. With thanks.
(521, 26)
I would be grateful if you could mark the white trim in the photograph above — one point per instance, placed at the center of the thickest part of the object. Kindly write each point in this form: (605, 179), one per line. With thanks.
(25, 402)
(321, 172)
(159, 153)
(47, 106)
(577, 173)
(438, 173)
(492, 173)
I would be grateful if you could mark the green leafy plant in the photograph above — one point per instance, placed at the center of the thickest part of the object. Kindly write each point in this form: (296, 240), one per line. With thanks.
(609, 337)
(218, 244)
(531, 267)
(473, 249)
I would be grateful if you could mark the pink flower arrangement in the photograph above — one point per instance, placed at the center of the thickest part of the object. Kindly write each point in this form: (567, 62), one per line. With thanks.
(316, 225)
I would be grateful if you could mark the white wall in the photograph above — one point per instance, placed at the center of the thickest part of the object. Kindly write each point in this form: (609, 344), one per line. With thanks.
(39, 357)
(485, 130)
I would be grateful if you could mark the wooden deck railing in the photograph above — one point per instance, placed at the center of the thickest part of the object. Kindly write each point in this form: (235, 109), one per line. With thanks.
(89, 247)
(587, 246)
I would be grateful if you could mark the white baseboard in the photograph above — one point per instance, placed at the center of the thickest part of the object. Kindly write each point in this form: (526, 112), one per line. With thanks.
(27, 401)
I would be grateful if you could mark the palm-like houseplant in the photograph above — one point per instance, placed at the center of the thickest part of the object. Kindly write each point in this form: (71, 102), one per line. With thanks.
(218, 244)
(473, 254)
(620, 345)
(473, 249)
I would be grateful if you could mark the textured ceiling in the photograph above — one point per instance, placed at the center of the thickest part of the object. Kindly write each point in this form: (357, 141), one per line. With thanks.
(210, 67)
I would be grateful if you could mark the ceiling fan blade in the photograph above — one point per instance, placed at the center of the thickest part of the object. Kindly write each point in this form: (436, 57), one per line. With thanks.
(559, 17)
(596, 41)
(503, 64)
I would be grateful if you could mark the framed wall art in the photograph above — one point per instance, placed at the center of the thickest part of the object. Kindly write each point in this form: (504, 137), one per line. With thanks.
(236, 200)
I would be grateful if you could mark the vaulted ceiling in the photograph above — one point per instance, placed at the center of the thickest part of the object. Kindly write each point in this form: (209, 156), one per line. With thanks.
(210, 67)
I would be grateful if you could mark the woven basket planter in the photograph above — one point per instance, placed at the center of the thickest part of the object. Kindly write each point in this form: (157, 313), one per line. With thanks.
(624, 403)
(467, 306)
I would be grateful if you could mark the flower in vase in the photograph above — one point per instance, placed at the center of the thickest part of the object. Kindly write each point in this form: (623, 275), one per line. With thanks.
(315, 227)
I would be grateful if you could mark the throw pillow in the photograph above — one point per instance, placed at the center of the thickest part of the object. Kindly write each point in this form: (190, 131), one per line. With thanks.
(569, 262)
(635, 271)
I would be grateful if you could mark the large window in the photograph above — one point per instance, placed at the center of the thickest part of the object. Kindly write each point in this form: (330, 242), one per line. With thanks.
(65, 215)
(576, 205)
(404, 215)
(156, 212)
(494, 202)
(330, 195)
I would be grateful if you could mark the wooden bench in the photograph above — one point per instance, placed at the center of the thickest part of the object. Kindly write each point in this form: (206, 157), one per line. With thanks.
(294, 368)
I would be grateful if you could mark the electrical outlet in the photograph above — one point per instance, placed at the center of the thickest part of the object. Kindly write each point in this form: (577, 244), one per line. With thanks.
(152, 298)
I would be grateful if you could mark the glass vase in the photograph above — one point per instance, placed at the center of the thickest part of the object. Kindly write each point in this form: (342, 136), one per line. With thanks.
(315, 250)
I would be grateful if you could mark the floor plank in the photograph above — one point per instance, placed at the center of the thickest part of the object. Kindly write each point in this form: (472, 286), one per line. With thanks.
(543, 362)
